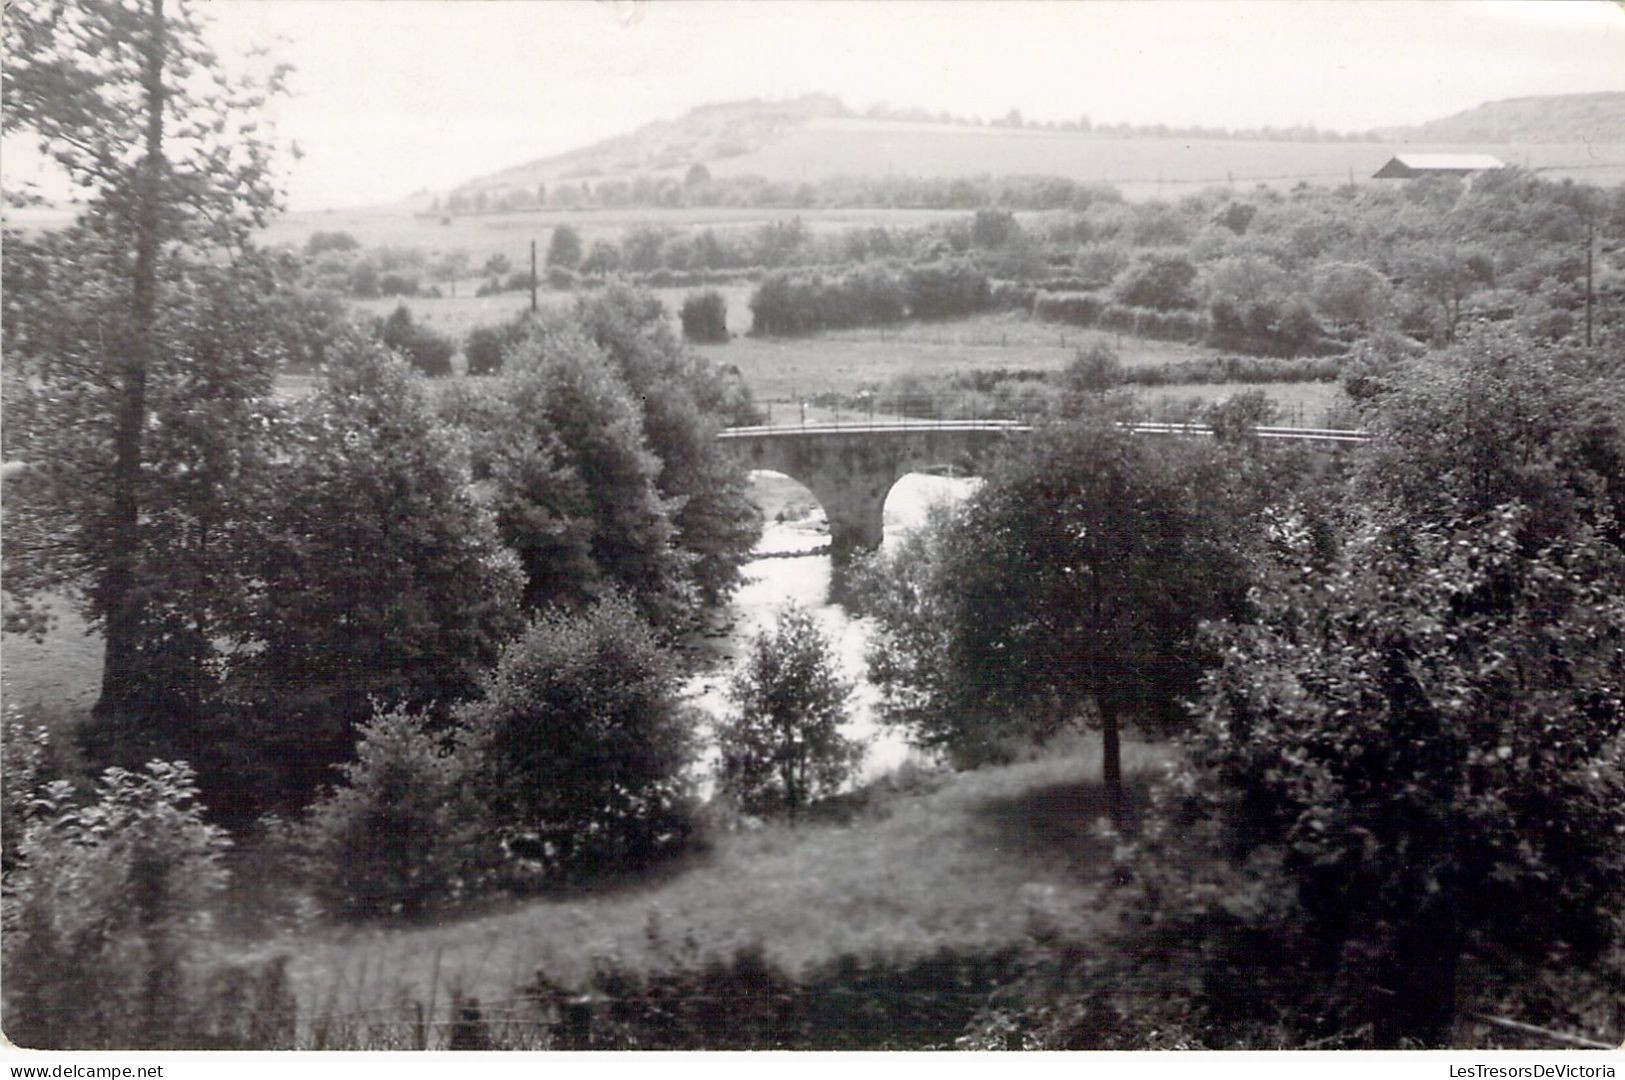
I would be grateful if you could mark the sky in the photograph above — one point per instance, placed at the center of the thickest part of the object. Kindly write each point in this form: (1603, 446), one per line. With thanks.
(390, 97)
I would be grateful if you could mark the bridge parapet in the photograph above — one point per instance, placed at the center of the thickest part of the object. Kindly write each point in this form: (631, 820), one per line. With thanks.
(851, 466)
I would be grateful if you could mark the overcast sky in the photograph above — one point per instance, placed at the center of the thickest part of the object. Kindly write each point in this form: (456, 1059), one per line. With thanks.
(392, 97)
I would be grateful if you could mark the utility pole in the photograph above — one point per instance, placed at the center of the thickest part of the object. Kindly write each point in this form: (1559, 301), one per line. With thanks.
(1591, 247)
(533, 277)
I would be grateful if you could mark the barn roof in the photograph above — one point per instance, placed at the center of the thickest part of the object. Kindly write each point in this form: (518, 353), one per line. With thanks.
(1412, 164)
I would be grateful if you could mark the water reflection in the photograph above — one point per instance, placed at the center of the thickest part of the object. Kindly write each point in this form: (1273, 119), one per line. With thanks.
(795, 525)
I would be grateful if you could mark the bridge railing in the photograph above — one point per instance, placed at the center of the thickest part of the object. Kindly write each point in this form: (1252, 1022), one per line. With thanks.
(864, 408)
(846, 412)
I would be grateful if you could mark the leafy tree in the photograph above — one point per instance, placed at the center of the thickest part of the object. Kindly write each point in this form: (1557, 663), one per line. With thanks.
(603, 258)
(321, 242)
(559, 439)
(705, 316)
(406, 828)
(379, 579)
(204, 396)
(1351, 294)
(586, 738)
(697, 174)
(421, 346)
(496, 266)
(1072, 587)
(685, 401)
(1157, 281)
(1428, 739)
(174, 172)
(783, 747)
(564, 248)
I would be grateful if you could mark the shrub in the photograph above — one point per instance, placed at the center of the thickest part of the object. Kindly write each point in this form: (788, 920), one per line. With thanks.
(102, 905)
(404, 831)
(947, 291)
(426, 350)
(783, 747)
(705, 316)
(1075, 309)
(1157, 281)
(586, 740)
(486, 346)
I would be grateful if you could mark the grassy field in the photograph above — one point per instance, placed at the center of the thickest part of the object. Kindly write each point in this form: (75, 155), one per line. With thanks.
(972, 861)
(457, 315)
(54, 678)
(1140, 166)
(510, 234)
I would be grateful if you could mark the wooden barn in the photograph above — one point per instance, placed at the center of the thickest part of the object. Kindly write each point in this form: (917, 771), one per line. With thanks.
(1410, 166)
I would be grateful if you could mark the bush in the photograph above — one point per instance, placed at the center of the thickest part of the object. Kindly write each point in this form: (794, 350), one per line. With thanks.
(1157, 281)
(426, 350)
(102, 905)
(586, 740)
(705, 316)
(486, 346)
(1074, 309)
(404, 831)
(947, 291)
(783, 747)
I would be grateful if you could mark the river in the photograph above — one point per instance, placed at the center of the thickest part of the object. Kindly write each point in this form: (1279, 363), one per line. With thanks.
(778, 575)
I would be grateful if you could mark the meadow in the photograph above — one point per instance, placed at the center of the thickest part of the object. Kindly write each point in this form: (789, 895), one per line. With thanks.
(920, 862)
(1137, 165)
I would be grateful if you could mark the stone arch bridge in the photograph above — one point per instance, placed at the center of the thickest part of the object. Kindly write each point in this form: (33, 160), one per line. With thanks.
(850, 468)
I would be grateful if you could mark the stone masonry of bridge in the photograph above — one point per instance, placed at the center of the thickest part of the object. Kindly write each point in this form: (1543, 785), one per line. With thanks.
(850, 469)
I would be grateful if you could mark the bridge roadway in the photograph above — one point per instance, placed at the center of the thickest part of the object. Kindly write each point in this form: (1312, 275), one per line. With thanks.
(851, 467)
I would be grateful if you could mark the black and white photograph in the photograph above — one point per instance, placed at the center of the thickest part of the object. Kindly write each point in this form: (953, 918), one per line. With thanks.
(821, 525)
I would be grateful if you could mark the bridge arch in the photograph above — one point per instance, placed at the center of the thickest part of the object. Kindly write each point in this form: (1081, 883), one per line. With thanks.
(850, 470)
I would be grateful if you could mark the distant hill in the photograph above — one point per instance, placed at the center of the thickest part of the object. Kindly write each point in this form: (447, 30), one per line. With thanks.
(1555, 118)
(816, 136)
(708, 133)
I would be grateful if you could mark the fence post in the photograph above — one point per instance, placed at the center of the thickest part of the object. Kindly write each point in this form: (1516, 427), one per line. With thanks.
(575, 1029)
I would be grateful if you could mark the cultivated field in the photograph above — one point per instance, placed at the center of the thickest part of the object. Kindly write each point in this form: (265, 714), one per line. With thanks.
(1137, 165)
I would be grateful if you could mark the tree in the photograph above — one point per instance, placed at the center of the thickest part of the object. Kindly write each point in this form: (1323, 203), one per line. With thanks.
(1428, 739)
(697, 174)
(559, 443)
(586, 739)
(685, 401)
(1071, 588)
(426, 350)
(564, 248)
(1157, 281)
(406, 827)
(1351, 294)
(379, 580)
(166, 148)
(705, 316)
(783, 748)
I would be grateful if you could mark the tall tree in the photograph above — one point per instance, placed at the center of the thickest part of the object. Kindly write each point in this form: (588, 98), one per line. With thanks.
(131, 103)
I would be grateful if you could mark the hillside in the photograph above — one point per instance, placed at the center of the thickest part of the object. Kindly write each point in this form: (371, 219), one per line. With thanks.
(816, 137)
(1555, 118)
(708, 133)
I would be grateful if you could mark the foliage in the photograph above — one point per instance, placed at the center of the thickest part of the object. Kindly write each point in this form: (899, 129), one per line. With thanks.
(685, 400)
(406, 829)
(425, 349)
(783, 747)
(586, 740)
(102, 907)
(1157, 281)
(1071, 588)
(378, 577)
(486, 346)
(175, 177)
(564, 248)
(1432, 747)
(705, 316)
(218, 341)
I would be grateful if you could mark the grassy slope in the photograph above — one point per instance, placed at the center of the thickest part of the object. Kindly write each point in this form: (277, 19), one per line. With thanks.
(972, 864)
(56, 677)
